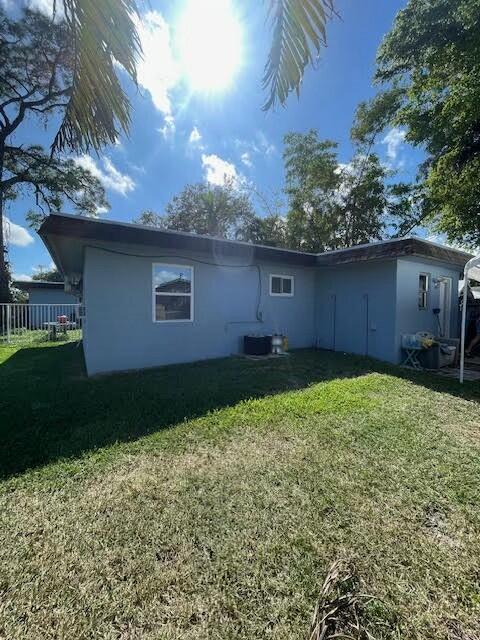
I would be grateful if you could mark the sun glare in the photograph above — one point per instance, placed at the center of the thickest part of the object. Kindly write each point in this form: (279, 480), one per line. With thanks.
(209, 40)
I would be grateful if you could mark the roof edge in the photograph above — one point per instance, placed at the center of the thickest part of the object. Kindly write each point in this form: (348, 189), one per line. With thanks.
(63, 224)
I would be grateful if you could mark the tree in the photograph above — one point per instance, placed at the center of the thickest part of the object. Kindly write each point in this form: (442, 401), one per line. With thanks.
(428, 67)
(150, 218)
(47, 275)
(332, 206)
(311, 182)
(104, 32)
(299, 32)
(363, 200)
(101, 34)
(214, 210)
(269, 230)
(36, 67)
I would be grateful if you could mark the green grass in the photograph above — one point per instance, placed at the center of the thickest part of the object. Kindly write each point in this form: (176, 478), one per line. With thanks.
(31, 337)
(209, 500)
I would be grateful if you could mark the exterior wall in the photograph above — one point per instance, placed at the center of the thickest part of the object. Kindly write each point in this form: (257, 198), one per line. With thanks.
(119, 331)
(355, 309)
(410, 318)
(51, 296)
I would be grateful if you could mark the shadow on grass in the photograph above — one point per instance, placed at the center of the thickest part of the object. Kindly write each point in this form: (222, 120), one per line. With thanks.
(50, 410)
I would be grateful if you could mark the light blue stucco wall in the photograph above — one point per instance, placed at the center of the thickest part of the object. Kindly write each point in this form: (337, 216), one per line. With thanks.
(120, 334)
(410, 318)
(355, 309)
(51, 296)
(360, 308)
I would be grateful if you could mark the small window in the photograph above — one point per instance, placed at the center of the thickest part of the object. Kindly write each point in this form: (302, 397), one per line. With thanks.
(281, 285)
(172, 293)
(423, 290)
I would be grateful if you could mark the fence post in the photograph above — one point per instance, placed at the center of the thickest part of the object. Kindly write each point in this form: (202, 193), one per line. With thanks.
(8, 323)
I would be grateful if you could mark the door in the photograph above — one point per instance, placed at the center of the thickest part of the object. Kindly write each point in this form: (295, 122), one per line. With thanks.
(445, 305)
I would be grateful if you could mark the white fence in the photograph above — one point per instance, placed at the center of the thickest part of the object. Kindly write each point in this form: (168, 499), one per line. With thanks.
(26, 323)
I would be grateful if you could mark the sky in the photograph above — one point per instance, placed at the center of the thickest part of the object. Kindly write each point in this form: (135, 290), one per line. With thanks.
(197, 116)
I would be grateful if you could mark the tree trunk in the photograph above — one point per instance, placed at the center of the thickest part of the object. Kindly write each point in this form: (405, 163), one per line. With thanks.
(5, 295)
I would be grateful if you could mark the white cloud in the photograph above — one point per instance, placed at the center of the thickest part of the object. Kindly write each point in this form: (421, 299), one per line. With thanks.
(246, 159)
(157, 71)
(260, 146)
(217, 170)
(110, 177)
(266, 147)
(195, 136)
(15, 234)
(168, 129)
(394, 139)
(21, 277)
(137, 167)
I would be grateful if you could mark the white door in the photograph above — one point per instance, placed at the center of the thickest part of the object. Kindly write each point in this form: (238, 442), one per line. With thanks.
(445, 304)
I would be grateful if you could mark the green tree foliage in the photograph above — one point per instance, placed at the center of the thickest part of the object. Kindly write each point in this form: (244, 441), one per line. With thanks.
(48, 275)
(429, 69)
(36, 70)
(101, 33)
(214, 210)
(299, 32)
(150, 218)
(332, 205)
(269, 230)
(105, 32)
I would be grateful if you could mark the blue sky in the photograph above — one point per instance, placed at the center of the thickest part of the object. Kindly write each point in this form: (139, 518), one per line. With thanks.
(180, 135)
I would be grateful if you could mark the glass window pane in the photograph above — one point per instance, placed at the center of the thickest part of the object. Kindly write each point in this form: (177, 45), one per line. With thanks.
(276, 285)
(168, 279)
(287, 285)
(172, 307)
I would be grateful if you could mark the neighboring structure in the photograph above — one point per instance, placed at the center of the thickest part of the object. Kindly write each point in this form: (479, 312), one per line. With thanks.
(45, 292)
(155, 297)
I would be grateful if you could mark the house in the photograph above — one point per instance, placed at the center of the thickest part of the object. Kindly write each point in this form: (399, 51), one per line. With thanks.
(46, 302)
(155, 297)
(45, 292)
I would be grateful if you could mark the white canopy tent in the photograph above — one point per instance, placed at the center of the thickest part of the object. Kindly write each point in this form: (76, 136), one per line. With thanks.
(472, 270)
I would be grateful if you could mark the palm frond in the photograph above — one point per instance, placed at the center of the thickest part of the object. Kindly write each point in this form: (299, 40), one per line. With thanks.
(299, 32)
(104, 35)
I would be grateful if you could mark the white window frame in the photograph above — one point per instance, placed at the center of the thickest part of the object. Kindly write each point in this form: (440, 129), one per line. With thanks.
(284, 277)
(425, 291)
(155, 294)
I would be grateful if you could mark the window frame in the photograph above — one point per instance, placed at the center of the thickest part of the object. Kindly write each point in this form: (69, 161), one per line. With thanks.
(423, 292)
(190, 295)
(283, 277)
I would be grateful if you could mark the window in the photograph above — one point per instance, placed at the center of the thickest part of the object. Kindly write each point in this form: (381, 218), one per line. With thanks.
(281, 285)
(422, 290)
(172, 286)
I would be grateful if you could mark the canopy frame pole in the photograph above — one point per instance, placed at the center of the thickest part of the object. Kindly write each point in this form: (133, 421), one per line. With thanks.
(464, 322)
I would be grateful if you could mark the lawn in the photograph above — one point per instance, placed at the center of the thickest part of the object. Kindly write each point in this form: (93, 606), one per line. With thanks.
(209, 500)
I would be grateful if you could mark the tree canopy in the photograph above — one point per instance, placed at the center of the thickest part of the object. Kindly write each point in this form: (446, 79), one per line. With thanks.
(48, 275)
(36, 68)
(214, 210)
(332, 205)
(428, 67)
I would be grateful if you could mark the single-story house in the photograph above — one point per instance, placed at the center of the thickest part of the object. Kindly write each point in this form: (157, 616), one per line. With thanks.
(155, 297)
(46, 302)
(45, 292)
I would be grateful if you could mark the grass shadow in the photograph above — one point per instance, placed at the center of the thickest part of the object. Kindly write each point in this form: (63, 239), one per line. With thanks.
(51, 410)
